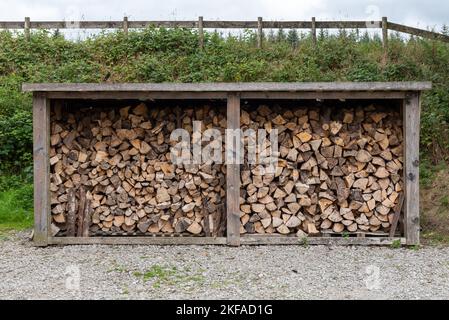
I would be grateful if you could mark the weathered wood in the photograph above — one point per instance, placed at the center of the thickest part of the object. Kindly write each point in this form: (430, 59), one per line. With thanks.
(222, 95)
(291, 240)
(385, 33)
(138, 240)
(418, 32)
(259, 32)
(233, 176)
(411, 112)
(200, 32)
(397, 214)
(224, 24)
(245, 239)
(229, 87)
(87, 216)
(80, 215)
(313, 31)
(71, 213)
(41, 146)
(27, 28)
(125, 26)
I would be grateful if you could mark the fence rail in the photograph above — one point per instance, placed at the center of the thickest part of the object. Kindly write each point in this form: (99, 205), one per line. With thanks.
(201, 24)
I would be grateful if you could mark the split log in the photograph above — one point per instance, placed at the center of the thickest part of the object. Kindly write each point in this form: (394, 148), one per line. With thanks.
(338, 169)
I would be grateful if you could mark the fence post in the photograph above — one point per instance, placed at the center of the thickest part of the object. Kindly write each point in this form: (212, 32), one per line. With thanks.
(200, 32)
(27, 28)
(313, 31)
(125, 26)
(259, 32)
(385, 34)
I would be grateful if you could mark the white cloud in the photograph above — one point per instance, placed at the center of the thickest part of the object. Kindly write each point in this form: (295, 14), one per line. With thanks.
(413, 12)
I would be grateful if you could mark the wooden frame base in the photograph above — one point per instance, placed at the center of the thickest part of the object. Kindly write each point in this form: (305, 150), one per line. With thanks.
(244, 240)
(407, 92)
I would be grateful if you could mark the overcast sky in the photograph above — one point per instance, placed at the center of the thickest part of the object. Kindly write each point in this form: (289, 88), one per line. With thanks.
(428, 13)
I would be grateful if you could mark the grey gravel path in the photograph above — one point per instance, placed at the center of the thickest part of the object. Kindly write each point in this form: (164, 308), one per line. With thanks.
(217, 272)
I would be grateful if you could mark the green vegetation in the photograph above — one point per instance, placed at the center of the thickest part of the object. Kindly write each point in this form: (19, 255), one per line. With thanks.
(160, 275)
(157, 55)
(396, 244)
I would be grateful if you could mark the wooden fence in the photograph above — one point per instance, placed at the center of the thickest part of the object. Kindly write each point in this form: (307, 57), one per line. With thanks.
(201, 24)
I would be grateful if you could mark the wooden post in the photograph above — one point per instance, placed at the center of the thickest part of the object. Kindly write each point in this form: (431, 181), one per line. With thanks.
(233, 177)
(27, 28)
(259, 32)
(385, 34)
(125, 26)
(411, 121)
(313, 31)
(200, 32)
(41, 138)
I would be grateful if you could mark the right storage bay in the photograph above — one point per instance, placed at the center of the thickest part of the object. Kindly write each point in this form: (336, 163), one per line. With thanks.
(339, 169)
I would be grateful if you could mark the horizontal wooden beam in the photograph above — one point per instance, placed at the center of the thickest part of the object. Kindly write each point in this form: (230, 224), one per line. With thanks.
(229, 87)
(229, 24)
(244, 240)
(160, 95)
(418, 32)
(138, 240)
(287, 240)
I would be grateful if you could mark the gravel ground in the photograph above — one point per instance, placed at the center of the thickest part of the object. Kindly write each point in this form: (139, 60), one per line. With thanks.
(218, 272)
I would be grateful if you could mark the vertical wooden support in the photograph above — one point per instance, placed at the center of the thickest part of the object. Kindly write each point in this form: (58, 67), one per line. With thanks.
(411, 112)
(385, 35)
(41, 146)
(125, 26)
(313, 31)
(27, 28)
(259, 32)
(200, 32)
(233, 177)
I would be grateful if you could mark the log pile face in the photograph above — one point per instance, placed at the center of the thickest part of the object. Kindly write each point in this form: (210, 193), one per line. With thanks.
(340, 170)
(111, 172)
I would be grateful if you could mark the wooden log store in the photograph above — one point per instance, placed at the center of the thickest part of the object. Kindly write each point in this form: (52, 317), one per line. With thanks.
(347, 169)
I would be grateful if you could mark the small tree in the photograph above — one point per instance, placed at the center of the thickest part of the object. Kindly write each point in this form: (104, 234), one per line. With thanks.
(293, 38)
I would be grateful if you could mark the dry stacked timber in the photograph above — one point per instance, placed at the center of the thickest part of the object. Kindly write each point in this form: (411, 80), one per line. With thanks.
(111, 173)
(340, 170)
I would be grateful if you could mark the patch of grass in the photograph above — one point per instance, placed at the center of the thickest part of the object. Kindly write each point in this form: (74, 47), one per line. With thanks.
(435, 238)
(16, 208)
(445, 201)
(396, 244)
(163, 275)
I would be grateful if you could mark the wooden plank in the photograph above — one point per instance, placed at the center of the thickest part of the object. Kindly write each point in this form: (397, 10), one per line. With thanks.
(259, 32)
(80, 214)
(286, 240)
(87, 218)
(223, 95)
(418, 32)
(71, 213)
(411, 112)
(322, 95)
(233, 176)
(123, 95)
(200, 32)
(385, 33)
(125, 26)
(245, 240)
(138, 240)
(397, 213)
(27, 28)
(41, 146)
(313, 31)
(229, 87)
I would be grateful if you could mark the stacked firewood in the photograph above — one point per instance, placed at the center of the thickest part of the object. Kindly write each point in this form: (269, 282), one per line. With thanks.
(111, 172)
(339, 170)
